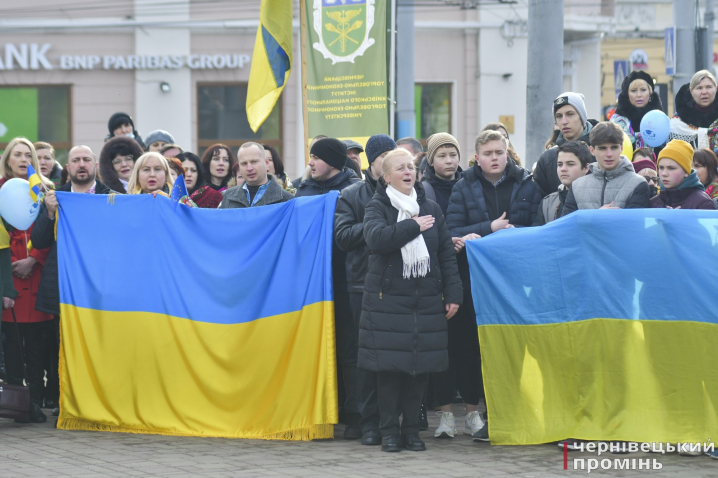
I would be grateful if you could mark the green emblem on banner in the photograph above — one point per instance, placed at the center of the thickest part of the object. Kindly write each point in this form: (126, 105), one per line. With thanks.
(343, 27)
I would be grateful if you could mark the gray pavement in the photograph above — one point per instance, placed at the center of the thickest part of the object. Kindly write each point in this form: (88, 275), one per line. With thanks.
(39, 450)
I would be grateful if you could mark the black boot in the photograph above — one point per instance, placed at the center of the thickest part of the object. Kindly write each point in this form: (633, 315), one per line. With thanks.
(371, 437)
(391, 443)
(412, 442)
(35, 415)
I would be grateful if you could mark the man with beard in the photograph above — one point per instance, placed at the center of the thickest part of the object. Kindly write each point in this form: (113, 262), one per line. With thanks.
(82, 172)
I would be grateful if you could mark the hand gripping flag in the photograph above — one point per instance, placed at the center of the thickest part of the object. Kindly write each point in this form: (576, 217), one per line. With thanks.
(179, 189)
(35, 184)
(272, 60)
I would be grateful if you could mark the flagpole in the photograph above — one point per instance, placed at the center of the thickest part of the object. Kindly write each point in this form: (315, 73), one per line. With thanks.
(305, 114)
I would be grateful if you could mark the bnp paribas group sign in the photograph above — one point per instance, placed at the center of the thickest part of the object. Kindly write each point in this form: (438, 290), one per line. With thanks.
(34, 56)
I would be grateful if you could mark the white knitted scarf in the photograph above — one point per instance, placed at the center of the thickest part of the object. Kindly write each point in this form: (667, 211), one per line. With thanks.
(414, 253)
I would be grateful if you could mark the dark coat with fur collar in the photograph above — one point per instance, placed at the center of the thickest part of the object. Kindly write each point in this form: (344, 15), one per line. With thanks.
(687, 112)
(117, 145)
(635, 115)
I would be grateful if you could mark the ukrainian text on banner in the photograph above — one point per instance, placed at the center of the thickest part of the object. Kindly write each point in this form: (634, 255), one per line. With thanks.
(182, 321)
(345, 78)
(600, 326)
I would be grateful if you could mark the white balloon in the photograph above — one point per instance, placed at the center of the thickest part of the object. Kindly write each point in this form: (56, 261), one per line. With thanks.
(16, 205)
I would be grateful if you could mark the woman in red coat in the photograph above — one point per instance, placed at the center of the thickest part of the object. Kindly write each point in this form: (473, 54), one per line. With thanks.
(33, 326)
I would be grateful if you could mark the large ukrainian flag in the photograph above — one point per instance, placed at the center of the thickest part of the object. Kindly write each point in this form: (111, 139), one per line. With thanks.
(181, 321)
(271, 61)
(600, 326)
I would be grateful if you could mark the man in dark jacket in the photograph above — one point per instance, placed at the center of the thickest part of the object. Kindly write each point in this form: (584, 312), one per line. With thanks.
(494, 194)
(612, 184)
(328, 158)
(81, 168)
(259, 188)
(569, 112)
(349, 235)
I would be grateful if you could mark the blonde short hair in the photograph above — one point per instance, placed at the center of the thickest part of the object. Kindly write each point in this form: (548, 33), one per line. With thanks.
(133, 185)
(637, 83)
(386, 166)
(489, 135)
(700, 76)
(5, 171)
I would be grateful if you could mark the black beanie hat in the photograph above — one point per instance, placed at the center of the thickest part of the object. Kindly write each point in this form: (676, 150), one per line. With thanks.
(331, 151)
(117, 120)
(636, 75)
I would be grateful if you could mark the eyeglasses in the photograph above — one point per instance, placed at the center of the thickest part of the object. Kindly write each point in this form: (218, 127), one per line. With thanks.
(651, 178)
(123, 159)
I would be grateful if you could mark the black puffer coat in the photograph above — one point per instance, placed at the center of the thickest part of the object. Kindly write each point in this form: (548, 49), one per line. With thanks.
(43, 236)
(312, 187)
(403, 321)
(349, 228)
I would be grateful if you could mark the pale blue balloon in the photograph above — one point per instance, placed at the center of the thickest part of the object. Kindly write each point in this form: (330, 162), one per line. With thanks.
(655, 128)
(16, 206)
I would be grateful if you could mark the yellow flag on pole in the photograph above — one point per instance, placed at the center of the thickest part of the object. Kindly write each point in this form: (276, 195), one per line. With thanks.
(271, 61)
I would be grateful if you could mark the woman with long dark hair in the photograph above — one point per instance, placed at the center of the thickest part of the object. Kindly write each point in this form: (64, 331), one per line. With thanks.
(194, 178)
(217, 162)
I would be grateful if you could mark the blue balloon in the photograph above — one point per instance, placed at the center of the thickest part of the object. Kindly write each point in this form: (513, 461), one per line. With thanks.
(16, 205)
(655, 128)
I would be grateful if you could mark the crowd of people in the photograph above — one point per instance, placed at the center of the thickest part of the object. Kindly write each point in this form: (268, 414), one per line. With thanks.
(405, 325)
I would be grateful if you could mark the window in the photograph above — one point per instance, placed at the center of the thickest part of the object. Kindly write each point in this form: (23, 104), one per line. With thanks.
(222, 118)
(432, 102)
(39, 113)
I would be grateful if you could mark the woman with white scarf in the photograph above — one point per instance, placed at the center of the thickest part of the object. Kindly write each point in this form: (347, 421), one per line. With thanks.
(412, 288)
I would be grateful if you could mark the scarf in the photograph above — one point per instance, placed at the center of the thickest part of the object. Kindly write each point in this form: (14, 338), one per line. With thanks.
(414, 253)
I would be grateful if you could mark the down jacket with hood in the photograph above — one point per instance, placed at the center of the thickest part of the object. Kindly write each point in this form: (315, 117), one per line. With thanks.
(621, 186)
(403, 321)
(690, 194)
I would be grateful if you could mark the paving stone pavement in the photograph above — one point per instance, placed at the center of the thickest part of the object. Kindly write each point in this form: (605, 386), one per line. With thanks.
(39, 450)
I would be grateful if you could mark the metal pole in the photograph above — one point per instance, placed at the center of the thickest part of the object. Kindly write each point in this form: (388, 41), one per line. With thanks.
(392, 69)
(684, 15)
(708, 19)
(406, 116)
(545, 72)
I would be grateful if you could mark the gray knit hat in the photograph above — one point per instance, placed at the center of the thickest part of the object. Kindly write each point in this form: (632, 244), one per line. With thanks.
(378, 144)
(437, 140)
(159, 135)
(574, 99)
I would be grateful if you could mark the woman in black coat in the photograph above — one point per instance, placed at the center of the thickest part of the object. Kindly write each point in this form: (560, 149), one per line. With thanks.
(412, 288)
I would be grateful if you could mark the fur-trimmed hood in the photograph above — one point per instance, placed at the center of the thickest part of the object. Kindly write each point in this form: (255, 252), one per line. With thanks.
(627, 110)
(113, 147)
(687, 112)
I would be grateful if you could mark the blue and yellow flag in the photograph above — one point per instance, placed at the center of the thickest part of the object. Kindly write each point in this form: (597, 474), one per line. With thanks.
(229, 334)
(600, 326)
(35, 184)
(179, 189)
(271, 61)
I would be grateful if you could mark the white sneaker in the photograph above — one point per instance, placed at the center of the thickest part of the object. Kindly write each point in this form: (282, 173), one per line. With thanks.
(686, 449)
(447, 425)
(473, 423)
